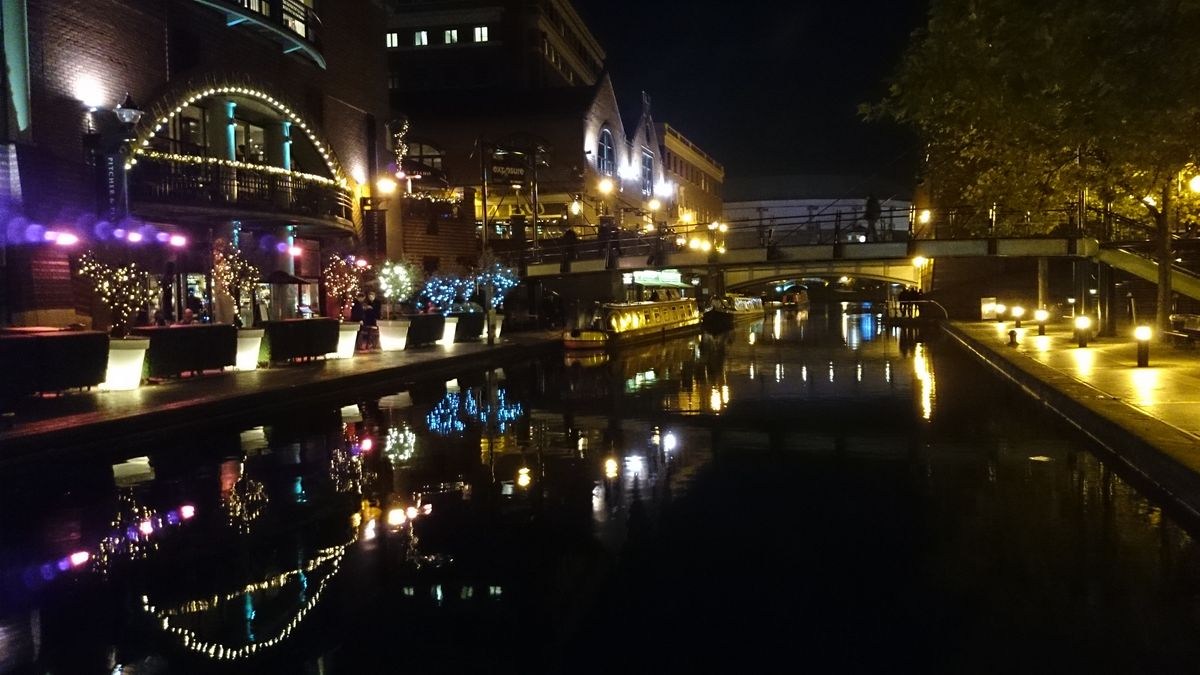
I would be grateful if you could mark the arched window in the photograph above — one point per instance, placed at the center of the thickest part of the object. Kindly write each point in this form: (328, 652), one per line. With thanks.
(604, 153)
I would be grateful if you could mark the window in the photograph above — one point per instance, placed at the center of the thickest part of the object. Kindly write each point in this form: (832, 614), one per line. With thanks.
(393, 81)
(451, 36)
(392, 40)
(426, 155)
(186, 134)
(604, 153)
(250, 141)
(481, 33)
(647, 172)
(420, 38)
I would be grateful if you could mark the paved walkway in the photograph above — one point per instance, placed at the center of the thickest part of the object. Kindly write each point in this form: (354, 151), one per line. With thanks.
(1147, 417)
(43, 425)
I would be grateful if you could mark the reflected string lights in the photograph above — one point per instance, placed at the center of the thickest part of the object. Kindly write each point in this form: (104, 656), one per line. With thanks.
(400, 445)
(328, 559)
(451, 414)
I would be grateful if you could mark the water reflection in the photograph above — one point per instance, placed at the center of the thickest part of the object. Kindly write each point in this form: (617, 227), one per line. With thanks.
(552, 497)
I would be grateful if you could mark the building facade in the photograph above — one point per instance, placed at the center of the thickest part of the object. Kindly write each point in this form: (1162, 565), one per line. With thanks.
(436, 45)
(697, 177)
(154, 132)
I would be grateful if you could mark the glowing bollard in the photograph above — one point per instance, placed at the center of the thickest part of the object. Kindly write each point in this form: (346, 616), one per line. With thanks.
(347, 339)
(448, 331)
(1000, 311)
(1143, 334)
(1040, 316)
(125, 360)
(1083, 329)
(249, 343)
(1012, 338)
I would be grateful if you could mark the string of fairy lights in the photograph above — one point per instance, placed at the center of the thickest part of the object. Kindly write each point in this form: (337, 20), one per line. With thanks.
(343, 279)
(232, 273)
(124, 289)
(398, 280)
(191, 640)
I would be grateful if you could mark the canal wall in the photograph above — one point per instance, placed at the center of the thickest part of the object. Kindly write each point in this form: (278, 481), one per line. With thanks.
(1159, 456)
(107, 421)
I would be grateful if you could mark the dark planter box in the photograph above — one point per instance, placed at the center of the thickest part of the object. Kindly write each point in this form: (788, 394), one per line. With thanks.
(470, 326)
(292, 339)
(48, 362)
(183, 349)
(425, 329)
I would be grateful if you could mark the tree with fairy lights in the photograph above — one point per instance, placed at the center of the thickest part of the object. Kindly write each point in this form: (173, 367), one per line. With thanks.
(501, 279)
(233, 275)
(444, 289)
(343, 280)
(124, 289)
(398, 281)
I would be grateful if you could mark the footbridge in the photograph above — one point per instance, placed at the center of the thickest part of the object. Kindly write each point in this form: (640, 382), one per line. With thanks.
(887, 261)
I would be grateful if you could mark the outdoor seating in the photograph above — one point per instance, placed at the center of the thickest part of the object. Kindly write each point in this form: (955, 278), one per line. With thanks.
(52, 361)
(425, 329)
(175, 350)
(470, 326)
(303, 339)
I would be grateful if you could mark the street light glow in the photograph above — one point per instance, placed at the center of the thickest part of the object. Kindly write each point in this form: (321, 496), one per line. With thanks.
(919, 261)
(1194, 184)
(385, 185)
(924, 216)
(1142, 333)
(605, 186)
(655, 205)
(576, 208)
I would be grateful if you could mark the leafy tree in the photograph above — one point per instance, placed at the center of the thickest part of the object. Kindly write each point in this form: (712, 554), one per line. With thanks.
(1027, 105)
(124, 289)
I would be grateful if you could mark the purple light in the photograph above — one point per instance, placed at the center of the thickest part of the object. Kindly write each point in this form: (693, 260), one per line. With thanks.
(35, 233)
(162, 237)
(66, 239)
(146, 527)
(102, 230)
(79, 558)
(187, 511)
(50, 235)
(295, 251)
(119, 233)
(281, 247)
(47, 572)
(134, 237)
(178, 240)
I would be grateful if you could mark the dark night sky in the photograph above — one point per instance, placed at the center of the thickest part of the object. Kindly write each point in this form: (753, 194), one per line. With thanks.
(767, 88)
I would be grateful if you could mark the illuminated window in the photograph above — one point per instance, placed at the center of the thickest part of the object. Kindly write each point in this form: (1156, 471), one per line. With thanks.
(647, 172)
(451, 36)
(426, 155)
(420, 38)
(604, 153)
(393, 40)
(481, 33)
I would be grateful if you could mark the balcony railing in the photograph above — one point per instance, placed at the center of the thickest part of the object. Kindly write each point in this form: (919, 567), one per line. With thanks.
(292, 22)
(215, 185)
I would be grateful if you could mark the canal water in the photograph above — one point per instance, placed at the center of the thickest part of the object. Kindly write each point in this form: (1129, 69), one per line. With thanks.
(812, 491)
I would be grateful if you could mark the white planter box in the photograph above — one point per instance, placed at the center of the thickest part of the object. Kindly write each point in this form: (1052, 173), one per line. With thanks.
(249, 342)
(497, 323)
(448, 331)
(347, 338)
(125, 360)
(393, 334)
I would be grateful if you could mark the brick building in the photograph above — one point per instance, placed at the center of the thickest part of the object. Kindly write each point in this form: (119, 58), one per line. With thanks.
(697, 177)
(263, 124)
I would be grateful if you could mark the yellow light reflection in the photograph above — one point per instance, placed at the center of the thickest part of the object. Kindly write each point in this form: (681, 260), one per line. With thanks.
(777, 325)
(1041, 343)
(714, 400)
(925, 377)
(1085, 360)
(1145, 385)
(610, 468)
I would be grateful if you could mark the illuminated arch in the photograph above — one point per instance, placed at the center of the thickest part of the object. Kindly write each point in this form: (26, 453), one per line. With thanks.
(172, 104)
